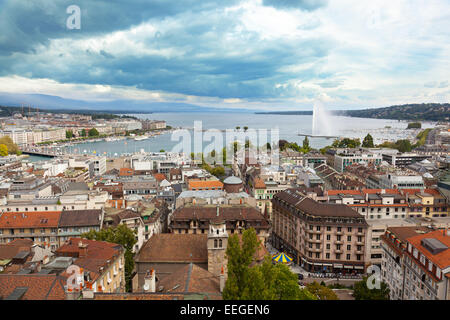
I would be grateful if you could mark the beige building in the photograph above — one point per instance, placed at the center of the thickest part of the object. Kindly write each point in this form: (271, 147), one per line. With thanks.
(320, 237)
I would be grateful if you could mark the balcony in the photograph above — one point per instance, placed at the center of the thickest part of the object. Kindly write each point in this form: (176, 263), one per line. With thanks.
(339, 232)
(338, 250)
(339, 241)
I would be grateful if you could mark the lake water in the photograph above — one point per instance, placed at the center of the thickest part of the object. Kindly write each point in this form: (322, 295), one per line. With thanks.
(289, 127)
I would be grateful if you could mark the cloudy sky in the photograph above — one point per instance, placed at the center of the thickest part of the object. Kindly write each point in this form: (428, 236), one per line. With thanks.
(253, 54)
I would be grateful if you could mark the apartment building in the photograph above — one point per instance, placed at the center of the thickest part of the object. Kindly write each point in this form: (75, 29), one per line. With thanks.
(321, 237)
(347, 157)
(395, 181)
(73, 223)
(402, 160)
(49, 228)
(372, 203)
(195, 219)
(426, 203)
(101, 263)
(417, 266)
(393, 247)
(40, 227)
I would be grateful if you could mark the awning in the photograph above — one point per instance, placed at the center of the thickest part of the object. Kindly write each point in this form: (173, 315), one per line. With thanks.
(317, 264)
(359, 267)
(337, 265)
(327, 265)
(348, 267)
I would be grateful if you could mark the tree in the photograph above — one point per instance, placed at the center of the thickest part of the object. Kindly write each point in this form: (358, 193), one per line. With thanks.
(403, 145)
(83, 133)
(247, 281)
(218, 171)
(306, 148)
(321, 291)
(362, 292)
(368, 141)
(69, 134)
(120, 235)
(282, 144)
(3, 150)
(162, 150)
(93, 132)
(245, 128)
(12, 147)
(237, 128)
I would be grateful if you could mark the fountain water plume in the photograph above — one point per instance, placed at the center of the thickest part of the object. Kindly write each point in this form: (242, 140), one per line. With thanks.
(321, 123)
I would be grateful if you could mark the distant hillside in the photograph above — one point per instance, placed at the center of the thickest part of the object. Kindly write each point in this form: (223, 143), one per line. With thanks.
(298, 113)
(428, 111)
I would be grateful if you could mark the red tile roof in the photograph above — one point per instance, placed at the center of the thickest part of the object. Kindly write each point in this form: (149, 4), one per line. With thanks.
(39, 287)
(159, 176)
(441, 259)
(203, 184)
(35, 219)
(126, 172)
(98, 254)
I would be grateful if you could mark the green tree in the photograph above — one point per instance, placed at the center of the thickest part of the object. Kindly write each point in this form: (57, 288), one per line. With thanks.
(403, 145)
(162, 150)
(224, 155)
(306, 148)
(362, 292)
(235, 146)
(247, 281)
(93, 132)
(245, 128)
(83, 133)
(69, 134)
(3, 150)
(321, 291)
(368, 141)
(12, 147)
(237, 128)
(120, 235)
(218, 171)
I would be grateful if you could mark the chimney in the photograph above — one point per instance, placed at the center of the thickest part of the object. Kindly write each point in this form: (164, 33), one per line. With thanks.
(150, 281)
(82, 249)
(222, 280)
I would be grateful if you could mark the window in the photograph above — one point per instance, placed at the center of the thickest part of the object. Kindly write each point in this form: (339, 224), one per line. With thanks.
(349, 229)
(215, 243)
(349, 238)
(328, 237)
(348, 256)
(349, 247)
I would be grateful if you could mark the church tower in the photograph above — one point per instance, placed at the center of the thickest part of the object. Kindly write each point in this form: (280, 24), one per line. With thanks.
(217, 245)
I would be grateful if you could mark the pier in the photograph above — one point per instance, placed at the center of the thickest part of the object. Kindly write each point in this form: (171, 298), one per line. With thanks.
(43, 152)
(317, 136)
